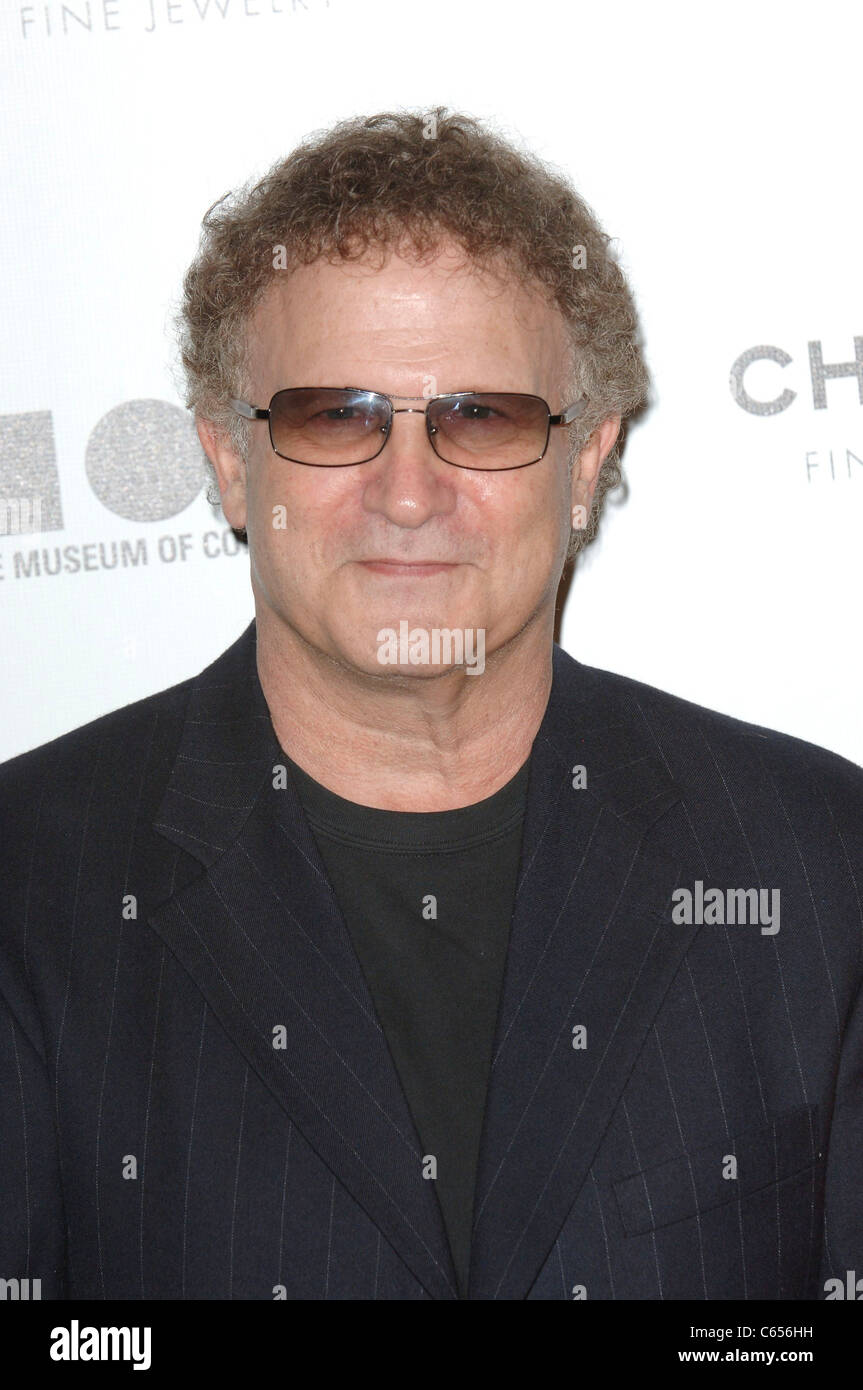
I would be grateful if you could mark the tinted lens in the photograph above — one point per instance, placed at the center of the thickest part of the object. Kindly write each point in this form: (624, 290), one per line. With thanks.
(326, 426)
(490, 431)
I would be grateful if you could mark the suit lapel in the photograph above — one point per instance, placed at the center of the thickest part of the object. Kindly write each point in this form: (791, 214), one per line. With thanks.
(262, 935)
(591, 946)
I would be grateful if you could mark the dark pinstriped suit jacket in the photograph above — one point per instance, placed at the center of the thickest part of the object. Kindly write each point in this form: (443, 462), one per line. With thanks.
(157, 1145)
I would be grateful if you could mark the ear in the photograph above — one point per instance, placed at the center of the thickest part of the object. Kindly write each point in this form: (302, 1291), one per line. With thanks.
(587, 466)
(230, 471)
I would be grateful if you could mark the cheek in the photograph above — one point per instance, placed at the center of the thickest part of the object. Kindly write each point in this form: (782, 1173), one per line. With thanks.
(298, 516)
(532, 520)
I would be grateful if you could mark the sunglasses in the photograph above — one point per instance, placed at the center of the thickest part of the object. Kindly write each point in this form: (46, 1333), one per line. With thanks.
(337, 427)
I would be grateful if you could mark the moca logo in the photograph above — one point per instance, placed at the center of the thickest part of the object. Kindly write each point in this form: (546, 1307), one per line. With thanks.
(143, 461)
(820, 373)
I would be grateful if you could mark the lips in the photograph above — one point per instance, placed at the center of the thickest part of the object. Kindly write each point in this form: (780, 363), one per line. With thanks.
(407, 567)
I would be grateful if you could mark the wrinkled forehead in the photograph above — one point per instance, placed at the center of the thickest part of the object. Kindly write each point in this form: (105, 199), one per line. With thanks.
(443, 317)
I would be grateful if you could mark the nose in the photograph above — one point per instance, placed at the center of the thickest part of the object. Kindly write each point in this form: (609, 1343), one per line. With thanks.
(407, 483)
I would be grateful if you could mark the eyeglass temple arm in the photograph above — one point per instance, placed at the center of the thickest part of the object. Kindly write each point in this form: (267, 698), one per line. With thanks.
(251, 412)
(571, 413)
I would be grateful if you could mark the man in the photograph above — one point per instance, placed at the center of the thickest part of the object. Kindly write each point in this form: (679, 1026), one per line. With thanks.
(399, 955)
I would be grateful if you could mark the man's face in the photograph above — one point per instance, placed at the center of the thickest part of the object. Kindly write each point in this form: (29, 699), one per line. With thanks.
(493, 543)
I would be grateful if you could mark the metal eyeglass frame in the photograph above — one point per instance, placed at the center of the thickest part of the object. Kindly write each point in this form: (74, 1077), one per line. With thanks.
(565, 417)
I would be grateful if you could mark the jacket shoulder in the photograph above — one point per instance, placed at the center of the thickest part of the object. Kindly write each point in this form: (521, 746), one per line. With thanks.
(690, 734)
(146, 730)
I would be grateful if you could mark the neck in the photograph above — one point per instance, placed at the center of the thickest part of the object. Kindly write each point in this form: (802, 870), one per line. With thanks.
(431, 743)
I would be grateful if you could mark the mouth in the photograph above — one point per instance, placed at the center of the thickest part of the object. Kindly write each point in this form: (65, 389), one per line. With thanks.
(412, 569)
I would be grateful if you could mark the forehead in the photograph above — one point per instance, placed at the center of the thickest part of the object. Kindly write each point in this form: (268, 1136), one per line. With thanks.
(444, 317)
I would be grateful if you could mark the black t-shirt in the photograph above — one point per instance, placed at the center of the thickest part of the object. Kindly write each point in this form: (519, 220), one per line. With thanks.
(427, 897)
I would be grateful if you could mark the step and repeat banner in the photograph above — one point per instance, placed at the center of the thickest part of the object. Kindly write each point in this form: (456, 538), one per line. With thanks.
(720, 147)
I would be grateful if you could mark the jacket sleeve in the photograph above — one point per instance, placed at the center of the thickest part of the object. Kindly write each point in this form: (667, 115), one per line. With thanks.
(32, 1217)
(842, 1251)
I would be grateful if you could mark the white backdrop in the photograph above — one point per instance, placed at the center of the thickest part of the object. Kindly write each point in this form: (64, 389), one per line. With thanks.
(721, 148)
